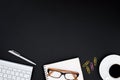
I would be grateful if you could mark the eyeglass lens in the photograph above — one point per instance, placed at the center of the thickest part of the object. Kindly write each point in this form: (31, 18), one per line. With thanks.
(68, 76)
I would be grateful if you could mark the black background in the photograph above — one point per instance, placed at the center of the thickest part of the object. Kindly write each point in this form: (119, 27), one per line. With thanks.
(50, 31)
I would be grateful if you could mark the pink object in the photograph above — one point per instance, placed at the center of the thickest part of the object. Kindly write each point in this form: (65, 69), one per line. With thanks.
(92, 66)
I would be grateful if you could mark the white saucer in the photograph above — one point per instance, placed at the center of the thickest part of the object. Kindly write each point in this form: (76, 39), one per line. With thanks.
(105, 65)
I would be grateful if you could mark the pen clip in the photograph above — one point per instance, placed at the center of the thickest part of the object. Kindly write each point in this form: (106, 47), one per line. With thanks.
(16, 52)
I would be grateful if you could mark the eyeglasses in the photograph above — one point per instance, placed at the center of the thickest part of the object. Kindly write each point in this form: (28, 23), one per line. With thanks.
(57, 73)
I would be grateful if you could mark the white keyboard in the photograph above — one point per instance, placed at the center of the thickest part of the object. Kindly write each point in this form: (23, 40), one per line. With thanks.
(14, 71)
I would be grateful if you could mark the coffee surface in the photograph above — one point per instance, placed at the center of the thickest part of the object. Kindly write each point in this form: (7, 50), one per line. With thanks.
(115, 71)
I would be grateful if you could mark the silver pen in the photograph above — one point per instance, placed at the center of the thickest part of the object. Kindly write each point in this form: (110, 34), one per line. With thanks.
(18, 55)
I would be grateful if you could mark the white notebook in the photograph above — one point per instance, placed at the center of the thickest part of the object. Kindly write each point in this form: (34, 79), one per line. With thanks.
(64, 70)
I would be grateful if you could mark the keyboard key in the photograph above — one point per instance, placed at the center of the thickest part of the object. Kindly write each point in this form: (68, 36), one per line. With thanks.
(1, 78)
(14, 77)
(22, 78)
(8, 72)
(18, 78)
(10, 68)
(5, 75)
(16, 73)
(3, 71)
(5, 79)
(5, 67)
(21, 75)
(26, 76)
(1, 66)
(19, 70)
(12, 73)
(14, 69)
(1, 74)
(23, 72)
(28, 72)
(9, 76)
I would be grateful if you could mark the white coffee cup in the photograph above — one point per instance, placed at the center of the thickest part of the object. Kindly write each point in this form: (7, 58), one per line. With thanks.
(105, 66)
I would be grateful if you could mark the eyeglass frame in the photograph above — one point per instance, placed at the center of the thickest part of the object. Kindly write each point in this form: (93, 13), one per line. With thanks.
(63, 72)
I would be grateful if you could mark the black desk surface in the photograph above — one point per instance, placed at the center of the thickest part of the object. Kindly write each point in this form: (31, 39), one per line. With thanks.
(46, 32)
